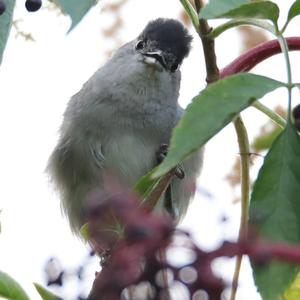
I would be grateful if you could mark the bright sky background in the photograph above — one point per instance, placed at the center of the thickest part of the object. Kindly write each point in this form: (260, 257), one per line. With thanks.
(38, 78)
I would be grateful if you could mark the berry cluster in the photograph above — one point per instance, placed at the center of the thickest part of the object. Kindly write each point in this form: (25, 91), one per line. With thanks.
(31, 5)
(141, 259)
(58, 276)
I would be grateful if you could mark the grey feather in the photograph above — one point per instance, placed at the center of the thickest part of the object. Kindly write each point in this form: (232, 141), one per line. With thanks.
(115, 124)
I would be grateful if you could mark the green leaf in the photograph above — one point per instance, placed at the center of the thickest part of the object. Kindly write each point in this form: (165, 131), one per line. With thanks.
(5, 24)
(275, 209)
(216, 8)
(241, 9)
(76, 9)
(212, 110)
(293, 292)
(146, 184)
(44, 293)
(10, 289)
(294, 11)
(85, 232)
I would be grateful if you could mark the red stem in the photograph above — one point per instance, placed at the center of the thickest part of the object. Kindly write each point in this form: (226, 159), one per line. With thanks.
(281, 251)
(259, 250)
(254, 56)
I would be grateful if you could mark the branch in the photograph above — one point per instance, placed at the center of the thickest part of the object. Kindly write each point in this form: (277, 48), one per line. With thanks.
(245, 195)
(261, 251)
(276, 118)
(208, 44)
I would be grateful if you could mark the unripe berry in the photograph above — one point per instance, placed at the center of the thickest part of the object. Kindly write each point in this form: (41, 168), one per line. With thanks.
(2, 7)
(33, 5)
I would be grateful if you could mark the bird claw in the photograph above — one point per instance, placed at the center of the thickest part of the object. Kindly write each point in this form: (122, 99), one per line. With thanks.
(162, 152)
(179, 171)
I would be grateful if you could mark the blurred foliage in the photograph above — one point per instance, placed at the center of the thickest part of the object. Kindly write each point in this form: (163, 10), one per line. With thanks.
(44, 293)
(251, 37)
(5, 24)
(10, 289)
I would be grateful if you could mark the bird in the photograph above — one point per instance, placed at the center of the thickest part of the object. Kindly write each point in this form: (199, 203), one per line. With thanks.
(119, 120)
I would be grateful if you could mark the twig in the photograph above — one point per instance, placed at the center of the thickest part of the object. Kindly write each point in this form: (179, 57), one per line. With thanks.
(276, 118)
(208, 44)
(245, 192)
(160, 188)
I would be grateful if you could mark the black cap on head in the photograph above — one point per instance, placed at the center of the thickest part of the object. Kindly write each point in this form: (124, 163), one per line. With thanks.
(170, 36)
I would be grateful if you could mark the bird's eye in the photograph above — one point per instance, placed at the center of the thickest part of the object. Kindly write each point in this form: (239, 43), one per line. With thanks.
(174, 68)
(140, 45)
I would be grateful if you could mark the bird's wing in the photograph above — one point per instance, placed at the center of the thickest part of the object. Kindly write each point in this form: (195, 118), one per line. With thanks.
(76, 164)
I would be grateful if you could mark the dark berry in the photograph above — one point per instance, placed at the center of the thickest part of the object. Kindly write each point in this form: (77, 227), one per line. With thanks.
(297, 124)
(33, 5)
(2, 7)
(296, 112)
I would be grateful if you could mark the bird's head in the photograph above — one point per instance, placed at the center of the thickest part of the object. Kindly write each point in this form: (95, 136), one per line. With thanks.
(163, 44)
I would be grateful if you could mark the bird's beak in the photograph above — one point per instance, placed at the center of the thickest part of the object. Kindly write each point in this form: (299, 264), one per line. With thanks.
(154, 57)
